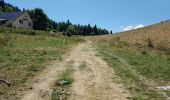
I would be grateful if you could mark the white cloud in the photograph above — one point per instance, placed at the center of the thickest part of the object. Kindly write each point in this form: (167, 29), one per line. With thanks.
(139, 26)
(132, 27)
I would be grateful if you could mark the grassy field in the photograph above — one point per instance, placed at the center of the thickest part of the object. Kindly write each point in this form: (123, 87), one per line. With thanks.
(141, 58)
(25, 53)
(140, 72)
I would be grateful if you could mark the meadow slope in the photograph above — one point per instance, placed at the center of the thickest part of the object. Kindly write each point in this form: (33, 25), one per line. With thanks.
(141, 58)
(24, 53)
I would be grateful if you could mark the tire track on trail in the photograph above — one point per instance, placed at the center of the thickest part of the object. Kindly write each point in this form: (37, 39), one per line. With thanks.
(43, 88)
(95, 80)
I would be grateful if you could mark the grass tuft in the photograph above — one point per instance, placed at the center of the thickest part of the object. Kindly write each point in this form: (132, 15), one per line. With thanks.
(61, 91)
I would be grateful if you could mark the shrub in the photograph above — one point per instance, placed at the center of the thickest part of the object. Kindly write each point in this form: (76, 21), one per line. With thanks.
(33, 68)
(150, 43)
(144, 52)
(67, 33)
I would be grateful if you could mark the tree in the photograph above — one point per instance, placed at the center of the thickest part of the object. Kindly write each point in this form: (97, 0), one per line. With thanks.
(2, 4)
(111, 32)
(5, 7)
(71, 30)
(68, 23)
(8, 9)
(89, 29)
(40, 19)
(95, 29)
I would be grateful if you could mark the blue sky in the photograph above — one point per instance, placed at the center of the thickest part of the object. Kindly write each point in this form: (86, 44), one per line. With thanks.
(116, 15)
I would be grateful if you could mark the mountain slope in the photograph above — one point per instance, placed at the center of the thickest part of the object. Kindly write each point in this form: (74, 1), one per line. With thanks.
(157, 33)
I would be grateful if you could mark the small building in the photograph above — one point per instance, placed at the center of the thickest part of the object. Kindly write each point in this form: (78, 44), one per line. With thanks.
(18, 20)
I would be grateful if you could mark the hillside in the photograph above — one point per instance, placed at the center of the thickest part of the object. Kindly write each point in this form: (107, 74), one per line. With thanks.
(157, 33)
(141, 58)
(67, 61)
(23, 54)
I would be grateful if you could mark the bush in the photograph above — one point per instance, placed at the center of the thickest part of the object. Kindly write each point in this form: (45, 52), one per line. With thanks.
(150, 43)
(67, 33)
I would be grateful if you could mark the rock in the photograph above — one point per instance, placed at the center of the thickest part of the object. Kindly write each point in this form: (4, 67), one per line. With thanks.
(5, 82)
(62, 82)
(164, 88)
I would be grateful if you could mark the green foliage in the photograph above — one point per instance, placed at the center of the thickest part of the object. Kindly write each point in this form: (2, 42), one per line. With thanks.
(39, 18)
(33, 68)
(71, 30)
(6, 7)
(42, 22)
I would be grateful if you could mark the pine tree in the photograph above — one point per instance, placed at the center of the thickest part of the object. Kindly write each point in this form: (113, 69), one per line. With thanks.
(111, 32)
(2, 5)
(95, 29)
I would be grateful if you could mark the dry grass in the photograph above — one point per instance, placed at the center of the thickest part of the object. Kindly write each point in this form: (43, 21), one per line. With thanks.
(156, 36)
(158, 33)
(147, 50)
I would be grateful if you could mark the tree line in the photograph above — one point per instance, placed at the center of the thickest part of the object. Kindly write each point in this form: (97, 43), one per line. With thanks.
(168, 20)
(42, 22)
(6, 7)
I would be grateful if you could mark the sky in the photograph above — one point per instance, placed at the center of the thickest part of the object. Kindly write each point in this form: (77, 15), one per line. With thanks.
(115, 15)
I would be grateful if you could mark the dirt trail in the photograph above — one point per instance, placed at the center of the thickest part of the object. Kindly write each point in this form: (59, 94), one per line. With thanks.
(43, 86)
(93, 78)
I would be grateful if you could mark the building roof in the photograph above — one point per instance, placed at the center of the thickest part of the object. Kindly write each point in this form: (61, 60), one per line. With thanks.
(10, 15)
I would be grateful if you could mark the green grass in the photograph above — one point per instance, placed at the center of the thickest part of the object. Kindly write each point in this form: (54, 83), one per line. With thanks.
(137, 70)
(168, 93)
(22, 56)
